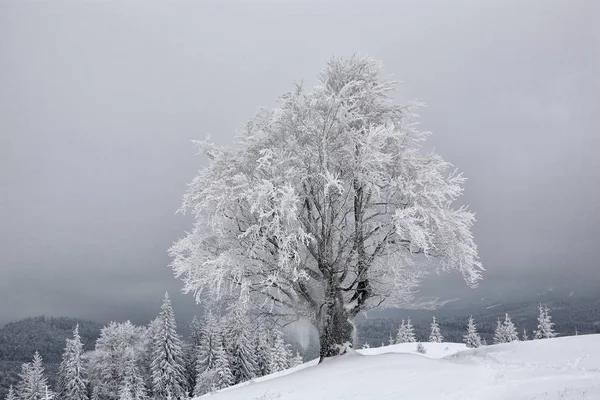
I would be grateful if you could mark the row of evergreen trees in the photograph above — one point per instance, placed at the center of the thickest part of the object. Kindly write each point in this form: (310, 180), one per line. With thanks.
(505, 331)
(141, 363)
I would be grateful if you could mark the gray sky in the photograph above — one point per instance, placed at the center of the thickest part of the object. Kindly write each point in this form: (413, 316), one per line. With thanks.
(99, 102)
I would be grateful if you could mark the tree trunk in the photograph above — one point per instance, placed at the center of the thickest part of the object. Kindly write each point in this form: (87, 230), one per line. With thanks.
(336, 330)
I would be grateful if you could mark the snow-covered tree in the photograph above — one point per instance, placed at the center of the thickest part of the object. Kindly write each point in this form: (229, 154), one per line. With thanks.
(238, 341)
(11, 394)
(435, 335)
(401, 336)
(421, 348)
(298, 360)
(322, 206)
(190, 350)
(410, 332)
(281, 354)
(168, 363)
(505, 331)
(472, 338)
(390, 340)
(545, 328)
(223, 377)
(108, 363)
(207, 354)
(125, 392)
(263, 343)
(133, 378)
(72, 380)
(525, 337)
(33, 382)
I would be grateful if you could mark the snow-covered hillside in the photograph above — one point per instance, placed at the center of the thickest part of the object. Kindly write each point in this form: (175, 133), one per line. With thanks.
(564, 368)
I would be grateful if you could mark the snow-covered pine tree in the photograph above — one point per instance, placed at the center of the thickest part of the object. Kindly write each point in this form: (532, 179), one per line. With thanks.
(11, 394)
(421, 348)
(390, 340)
(545, 328)
(263, 343)
(72, 379)
(265, 210)
(525, 337)
(505, 331)
(191, 354)
(401, 335)
(499, 333)
(107, 363)
(133, 378)
(435, 336)
(472, 338)
(167, 363)
(125, 392)
(238, 344)
(510, 330)
(366, 345)
(222, 370)
(280, 356)
(410, 332)
(33, 382)
(207, 354)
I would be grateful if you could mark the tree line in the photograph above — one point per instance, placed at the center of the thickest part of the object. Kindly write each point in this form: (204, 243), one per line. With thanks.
(132, 362)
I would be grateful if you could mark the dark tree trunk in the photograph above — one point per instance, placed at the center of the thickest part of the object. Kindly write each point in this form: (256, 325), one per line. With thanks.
(336, 330)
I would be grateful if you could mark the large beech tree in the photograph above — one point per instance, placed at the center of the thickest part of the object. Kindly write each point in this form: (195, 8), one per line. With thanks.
(325, 207)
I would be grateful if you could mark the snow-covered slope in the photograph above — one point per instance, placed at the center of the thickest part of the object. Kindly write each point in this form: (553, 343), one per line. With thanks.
(564, 368)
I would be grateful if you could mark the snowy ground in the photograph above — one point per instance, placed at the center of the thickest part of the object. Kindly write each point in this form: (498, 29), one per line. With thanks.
(564, 368)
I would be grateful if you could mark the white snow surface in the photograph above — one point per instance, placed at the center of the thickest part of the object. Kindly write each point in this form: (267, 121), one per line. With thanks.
(562, 368)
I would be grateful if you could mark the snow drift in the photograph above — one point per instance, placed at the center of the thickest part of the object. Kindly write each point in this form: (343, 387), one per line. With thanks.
(564, 368)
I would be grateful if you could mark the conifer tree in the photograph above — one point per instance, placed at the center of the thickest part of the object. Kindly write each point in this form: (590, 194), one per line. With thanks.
(207, 354)
(263, 343)
(280, 358)
(11, 394)
(33, 384)
(435, 336)
(125, 392)
(223, 375)
(238, 345)
(401, 335)
(390, 340)
(525, 337)
(133, 378)
(191, 353)
(545, 328)
(167, 364)
(298, 360)
(410, 332)
(72, 381)
(472, 338)
(505, 331)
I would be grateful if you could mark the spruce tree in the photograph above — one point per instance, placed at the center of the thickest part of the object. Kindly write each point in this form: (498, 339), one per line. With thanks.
(133, 378)
(410, 332)
(263, 343)
(223, 375)
(505, 331)
(472, 338)
(207, 355)
(401, 335)
(435, 336)
(545, 328)
(238, 345)
(11, 394)
(167, 364)
(33, 384)
(191, 353)
(72, 382)
(525, 337)
(280, 358)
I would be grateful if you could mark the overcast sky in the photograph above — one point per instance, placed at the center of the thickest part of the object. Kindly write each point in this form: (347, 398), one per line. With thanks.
(99, 102)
